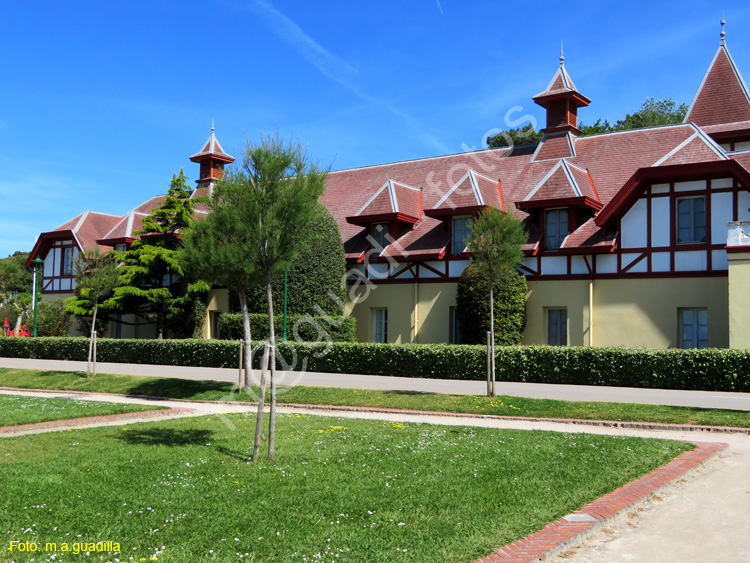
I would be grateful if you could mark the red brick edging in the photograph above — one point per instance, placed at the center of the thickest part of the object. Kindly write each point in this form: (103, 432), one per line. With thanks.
(570, 530)
(86, 420)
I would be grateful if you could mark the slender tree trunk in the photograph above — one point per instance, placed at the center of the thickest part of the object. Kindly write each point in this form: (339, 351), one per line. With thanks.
(93, 363)
(91, 341)
(246, 383)
(272, 354)
(492, 328)
(261, 401)
(19, 321)
(489, 363)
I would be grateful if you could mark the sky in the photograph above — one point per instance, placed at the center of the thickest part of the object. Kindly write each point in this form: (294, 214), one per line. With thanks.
(101, 102)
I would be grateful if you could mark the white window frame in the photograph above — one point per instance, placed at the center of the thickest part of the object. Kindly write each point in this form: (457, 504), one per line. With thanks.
(556, 329)
(692, 226)
(380, 325)
(461, 229)
(690, 321)
(67, 261)
(553, 241)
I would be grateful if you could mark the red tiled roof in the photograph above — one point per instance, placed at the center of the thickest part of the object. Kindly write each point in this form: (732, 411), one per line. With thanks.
(560, 145)
(722, 96)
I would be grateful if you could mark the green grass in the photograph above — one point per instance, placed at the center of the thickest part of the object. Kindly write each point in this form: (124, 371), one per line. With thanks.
(339, 490)
(15, 409)
(502, 405)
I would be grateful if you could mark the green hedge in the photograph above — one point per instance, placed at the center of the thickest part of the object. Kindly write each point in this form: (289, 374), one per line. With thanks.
(709, 370)
(338, 329)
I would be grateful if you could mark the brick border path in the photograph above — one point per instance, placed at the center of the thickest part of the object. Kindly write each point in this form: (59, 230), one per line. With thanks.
(90, 420)
(572, 529)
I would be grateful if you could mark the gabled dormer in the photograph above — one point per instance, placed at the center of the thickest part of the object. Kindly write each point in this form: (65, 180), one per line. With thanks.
(471, 195)
(212, 160)
(561, 99)
(392, 210)
(564, 199)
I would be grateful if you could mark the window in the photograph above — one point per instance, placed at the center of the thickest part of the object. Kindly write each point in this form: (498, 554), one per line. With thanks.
(118, 325)
(461, 234)
(455, 327)
(379, 235)
(120, 247)
(691, 220)
(557, 327)
(693, 328)
(67, 262)
(380, 325)
(555, 228)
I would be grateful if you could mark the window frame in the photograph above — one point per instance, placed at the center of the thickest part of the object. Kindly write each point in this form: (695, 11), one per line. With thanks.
(561, 327)
(66, 263)
(466, 221)
(380, 238)
(376, 331)
(454, 336)
(559, 236)
(691, 227)
(695, 341)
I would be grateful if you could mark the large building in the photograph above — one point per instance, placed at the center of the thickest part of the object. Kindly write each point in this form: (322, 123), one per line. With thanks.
(635, 237)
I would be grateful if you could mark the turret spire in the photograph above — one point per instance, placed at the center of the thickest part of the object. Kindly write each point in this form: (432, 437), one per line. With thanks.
(722, 41)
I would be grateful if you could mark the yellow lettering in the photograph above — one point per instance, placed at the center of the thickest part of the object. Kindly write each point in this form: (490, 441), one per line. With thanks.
(50, 546)
(65, 547)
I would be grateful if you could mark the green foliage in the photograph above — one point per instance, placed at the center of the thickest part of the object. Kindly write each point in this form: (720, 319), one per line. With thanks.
(527, 135)
(652, 113)
(14, 276)
(706, 370)
(155, 258)
(308, 328)
(315, 276)
(52, 320)
(473, 306)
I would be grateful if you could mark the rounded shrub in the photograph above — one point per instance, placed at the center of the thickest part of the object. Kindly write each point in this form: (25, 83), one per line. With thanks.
(473, 306)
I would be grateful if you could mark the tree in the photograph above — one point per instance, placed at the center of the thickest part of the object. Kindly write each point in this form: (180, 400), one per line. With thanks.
(96, 276)
(260, 212)
(652, 113)
(52, 318)
(314, 280)
(152, 284)
(15, 289)
(515, 137)
(495, 244)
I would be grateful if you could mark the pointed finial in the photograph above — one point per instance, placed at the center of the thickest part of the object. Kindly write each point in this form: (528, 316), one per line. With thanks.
(723, 33)
(562, 57)
(212, 126)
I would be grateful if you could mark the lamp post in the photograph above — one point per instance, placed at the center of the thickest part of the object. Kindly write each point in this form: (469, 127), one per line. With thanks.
(38, 264)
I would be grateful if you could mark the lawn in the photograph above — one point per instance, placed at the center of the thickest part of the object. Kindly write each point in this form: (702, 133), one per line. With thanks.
(15, 409)
(501, 405)
(339, 490)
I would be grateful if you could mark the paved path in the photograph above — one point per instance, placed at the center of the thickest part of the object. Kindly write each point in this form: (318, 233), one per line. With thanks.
(704, 399)
(703, 518)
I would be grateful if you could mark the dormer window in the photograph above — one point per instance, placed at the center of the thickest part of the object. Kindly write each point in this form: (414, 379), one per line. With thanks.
(67, 265)
(555, 228)
(379, 233)
(691, 220)
(461, 233)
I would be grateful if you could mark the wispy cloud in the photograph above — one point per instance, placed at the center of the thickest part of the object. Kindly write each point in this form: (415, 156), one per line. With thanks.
(332, 66)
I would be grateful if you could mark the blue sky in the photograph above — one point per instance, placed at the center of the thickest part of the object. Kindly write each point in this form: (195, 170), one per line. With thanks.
(102, 101)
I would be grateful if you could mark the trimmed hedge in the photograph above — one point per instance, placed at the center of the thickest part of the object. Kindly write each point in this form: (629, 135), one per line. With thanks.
(708, 370)
(339, 329)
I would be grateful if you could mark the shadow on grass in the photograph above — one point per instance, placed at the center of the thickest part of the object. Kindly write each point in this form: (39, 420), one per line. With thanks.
(178, 388)
(165, 437)
(235, 454)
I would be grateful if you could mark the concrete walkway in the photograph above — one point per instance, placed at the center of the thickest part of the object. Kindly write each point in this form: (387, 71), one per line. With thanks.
(703, 399)
(702, 518)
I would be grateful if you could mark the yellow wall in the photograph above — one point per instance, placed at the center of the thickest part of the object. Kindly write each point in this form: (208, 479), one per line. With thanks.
(644, 312)
(218, 301)
(428, 322)
(739, 297)
(573, 295)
